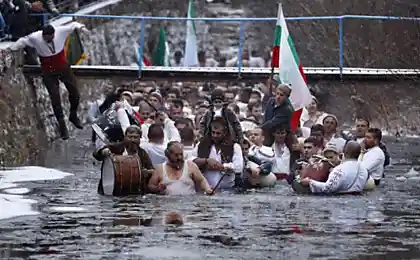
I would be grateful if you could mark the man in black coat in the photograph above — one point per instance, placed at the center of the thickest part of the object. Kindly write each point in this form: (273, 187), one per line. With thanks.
(278, 112)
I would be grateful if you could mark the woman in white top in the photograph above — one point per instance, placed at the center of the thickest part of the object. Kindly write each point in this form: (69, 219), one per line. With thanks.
(311, 115)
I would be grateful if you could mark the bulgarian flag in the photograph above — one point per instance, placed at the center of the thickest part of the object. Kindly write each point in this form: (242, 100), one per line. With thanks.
(291, 72)
(161, 56)
(73, 48)
(191, 56)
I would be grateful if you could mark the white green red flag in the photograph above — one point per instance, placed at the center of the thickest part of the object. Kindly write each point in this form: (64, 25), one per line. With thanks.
(191, 55)
(291, 72)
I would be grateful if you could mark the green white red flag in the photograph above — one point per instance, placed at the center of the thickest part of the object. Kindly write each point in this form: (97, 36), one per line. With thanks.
(291, 72)
(161, 56)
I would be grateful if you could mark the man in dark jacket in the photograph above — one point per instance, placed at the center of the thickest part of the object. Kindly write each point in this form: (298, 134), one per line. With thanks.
(278, 111)
(218, 109)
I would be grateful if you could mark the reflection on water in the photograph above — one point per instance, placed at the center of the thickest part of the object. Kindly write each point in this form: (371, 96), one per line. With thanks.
(75, 223)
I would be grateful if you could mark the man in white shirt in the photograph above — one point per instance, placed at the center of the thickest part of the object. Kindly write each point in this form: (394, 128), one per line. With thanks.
(373, 158)
(347, 178)
(49, 45)
(219, 158)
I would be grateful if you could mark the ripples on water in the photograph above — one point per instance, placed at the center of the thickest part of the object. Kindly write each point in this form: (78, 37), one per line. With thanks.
(76, 223)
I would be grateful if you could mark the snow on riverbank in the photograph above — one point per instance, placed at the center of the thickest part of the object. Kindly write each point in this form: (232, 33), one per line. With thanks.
(12, 202)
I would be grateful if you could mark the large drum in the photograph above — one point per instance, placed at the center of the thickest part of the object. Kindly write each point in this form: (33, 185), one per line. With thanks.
(108, 126)
(121, 175)
(318, 170)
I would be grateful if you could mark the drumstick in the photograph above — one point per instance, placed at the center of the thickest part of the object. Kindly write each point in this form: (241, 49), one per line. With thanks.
(218, 183)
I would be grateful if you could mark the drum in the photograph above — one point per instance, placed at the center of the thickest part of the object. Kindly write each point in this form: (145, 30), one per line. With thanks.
(121, 175)
(107, 126)
(317, 170)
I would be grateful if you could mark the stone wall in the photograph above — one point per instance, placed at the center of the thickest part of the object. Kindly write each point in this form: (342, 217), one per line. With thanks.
(27, 121)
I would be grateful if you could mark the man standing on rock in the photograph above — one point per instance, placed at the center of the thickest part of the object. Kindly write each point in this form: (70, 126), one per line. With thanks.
(49, 45)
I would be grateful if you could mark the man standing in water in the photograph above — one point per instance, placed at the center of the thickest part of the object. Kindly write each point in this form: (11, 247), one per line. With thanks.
(177, 177)
(129, 146)
(49, 45)
(373, 158)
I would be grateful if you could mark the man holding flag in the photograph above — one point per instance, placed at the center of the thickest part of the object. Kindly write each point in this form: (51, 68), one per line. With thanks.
(52, 46)
(292, 94)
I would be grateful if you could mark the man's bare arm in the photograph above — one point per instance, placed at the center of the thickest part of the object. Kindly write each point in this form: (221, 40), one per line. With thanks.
(198, 177)
(155, 179)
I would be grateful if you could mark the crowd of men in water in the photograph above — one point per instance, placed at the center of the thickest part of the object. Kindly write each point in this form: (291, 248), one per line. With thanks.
(195, 137)
(191, 137)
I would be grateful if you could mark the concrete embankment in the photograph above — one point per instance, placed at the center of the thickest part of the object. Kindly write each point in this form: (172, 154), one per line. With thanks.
(26, 119)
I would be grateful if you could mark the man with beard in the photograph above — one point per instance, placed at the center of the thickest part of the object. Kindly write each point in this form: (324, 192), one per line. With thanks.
(362, 126)
(373, 158)
(218, 157)
(177, 177)
(129, 146)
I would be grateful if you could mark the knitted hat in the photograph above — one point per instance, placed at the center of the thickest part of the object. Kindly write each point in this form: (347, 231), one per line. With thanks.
(157, 95)
(330, 116)
(331, 147)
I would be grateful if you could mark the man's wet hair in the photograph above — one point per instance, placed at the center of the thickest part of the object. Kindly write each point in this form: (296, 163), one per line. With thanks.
(155, 132)
(376, 132)
(318, 128)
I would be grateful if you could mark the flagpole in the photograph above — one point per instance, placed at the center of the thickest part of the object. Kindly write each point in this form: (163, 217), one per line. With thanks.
(272, 64)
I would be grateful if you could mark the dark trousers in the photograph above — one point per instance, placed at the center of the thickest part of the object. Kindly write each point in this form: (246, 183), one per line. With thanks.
(51, 82)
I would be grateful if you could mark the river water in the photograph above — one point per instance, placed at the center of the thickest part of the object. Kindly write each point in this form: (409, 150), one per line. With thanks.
(66, 219)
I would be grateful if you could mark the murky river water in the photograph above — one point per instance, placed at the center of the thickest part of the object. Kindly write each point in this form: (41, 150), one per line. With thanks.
(76, 223)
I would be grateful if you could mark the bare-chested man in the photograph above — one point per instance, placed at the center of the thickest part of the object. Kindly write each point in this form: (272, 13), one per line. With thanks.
(177, 176)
